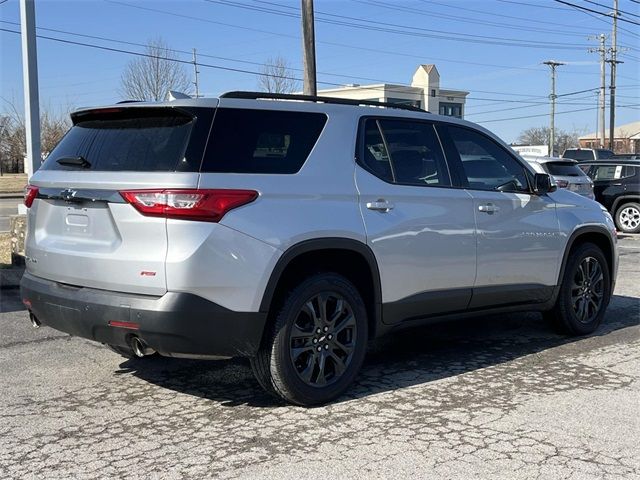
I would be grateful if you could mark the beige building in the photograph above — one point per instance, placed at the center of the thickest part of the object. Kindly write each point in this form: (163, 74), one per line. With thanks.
(424, 92)
(626, 139)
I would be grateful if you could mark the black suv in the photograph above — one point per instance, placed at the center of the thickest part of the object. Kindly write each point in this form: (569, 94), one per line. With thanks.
(616, 185)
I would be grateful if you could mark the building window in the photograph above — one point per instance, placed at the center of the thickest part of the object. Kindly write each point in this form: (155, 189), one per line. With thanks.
(404, 101)
(433, 92)
(451, 109)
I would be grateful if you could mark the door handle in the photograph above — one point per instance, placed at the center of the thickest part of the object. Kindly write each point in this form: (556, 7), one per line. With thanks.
(489, 208)
(380, 205)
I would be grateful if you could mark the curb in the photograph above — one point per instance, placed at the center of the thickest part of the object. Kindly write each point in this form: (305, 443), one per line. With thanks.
(16, 195)
(10, 277)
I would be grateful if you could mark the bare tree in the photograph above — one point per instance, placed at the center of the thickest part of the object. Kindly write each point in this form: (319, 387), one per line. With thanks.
(13, 146)
(277, 76)
(540, 136)
(152, 76)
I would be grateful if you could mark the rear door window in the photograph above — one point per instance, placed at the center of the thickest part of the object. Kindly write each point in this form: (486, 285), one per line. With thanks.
(132, 139)
(261, 141)
(404, 152)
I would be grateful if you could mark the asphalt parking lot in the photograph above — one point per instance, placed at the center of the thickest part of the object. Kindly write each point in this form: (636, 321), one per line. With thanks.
(497, 397)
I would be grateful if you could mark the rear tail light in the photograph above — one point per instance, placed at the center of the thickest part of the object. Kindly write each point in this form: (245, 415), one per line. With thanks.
(195, 204)
(562, 183)
(30, 194)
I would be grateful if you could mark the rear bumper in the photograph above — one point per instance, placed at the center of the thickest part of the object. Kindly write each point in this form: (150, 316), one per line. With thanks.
(175, 324)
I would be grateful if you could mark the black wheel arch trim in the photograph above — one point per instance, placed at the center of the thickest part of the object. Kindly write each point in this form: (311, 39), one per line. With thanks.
(325, 243)
(624, 199)
(578, 232)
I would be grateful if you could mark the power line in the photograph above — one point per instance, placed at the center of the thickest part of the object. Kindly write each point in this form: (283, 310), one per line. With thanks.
(457, 18)
(405, 30)
(494, 14)
(213, 66)
(600, 19)
(607, 6)
(594, 11)
(337, 44)
(124, 42)
(536, 116)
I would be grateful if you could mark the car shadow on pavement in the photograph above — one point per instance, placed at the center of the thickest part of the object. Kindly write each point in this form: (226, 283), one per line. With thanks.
(10, 300)
(399, 360)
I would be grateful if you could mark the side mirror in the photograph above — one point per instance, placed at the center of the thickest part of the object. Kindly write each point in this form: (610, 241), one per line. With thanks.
(542, 183)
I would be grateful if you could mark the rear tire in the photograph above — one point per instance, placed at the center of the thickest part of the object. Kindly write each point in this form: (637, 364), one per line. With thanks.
(628, 218)
(317, 342)
(584, 293)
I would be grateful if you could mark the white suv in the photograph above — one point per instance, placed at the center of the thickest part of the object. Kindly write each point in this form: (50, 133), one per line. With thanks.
(293, 229)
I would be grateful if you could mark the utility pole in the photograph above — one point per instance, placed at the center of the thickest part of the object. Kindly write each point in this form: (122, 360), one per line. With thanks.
(612, 86)
(30, 81)
(602, 97)
(309, 48)
(552, 127)
(196, 72)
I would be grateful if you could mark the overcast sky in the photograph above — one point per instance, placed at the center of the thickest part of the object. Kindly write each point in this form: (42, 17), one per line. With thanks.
(491, 48)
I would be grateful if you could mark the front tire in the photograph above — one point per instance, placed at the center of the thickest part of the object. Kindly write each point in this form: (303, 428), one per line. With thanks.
(585, 292)
(628, 218)
(317, 343)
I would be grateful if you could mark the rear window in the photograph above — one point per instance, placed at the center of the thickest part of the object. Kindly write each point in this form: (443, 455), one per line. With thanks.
(563, 169)
(134, 139)
(604, 153)
(261, 141)
(579, 154)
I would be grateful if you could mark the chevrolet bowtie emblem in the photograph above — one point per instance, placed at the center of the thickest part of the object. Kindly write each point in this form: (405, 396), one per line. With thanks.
(68, 194)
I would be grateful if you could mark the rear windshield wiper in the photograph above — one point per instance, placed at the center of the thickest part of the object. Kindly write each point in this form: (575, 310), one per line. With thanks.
(78, 161)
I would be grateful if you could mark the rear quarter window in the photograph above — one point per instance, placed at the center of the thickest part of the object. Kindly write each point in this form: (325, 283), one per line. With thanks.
(261, 141)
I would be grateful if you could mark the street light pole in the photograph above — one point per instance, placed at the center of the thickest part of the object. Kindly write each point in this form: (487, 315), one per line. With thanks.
(552, 127)
(30, 81)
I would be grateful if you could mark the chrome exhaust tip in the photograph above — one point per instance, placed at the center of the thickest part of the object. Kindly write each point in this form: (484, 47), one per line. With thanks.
(35, 323)
(140, 349)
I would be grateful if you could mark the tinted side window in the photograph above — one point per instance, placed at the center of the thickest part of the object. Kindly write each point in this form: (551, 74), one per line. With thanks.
(487, 165)
(415, 153)
(261, 141)
(612, 172)
(414, 156)
(374, 156)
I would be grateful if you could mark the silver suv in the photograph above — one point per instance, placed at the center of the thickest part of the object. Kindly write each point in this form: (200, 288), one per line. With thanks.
(291, 230)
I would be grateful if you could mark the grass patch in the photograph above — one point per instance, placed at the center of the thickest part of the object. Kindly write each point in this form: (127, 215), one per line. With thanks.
(13, 182)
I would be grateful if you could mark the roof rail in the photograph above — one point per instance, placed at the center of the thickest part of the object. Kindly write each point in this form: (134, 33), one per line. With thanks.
(317, 99)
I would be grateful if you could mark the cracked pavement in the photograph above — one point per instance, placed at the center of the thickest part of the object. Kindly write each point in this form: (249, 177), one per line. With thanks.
(494, 397)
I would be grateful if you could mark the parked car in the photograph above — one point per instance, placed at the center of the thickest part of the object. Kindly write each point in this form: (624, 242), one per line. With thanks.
(586, 154)
(626, 156)
(565, 172)
(159, 227)
(617, 187)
